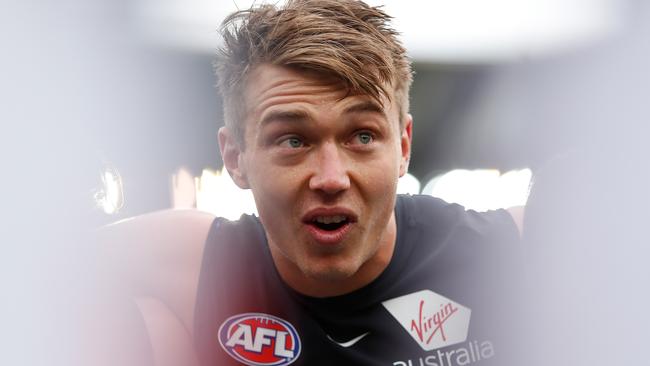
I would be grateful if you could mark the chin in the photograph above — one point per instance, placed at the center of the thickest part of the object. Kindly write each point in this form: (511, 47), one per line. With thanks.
(330, 273)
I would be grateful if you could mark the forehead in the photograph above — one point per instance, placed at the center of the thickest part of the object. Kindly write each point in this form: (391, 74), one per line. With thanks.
(271, 87)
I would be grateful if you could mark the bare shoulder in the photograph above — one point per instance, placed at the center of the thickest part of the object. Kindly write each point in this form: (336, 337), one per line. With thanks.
(161, 235)
(160, 224)
(159, 255)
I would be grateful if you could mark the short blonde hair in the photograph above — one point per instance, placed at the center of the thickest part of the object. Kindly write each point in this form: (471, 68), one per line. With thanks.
(344, 39)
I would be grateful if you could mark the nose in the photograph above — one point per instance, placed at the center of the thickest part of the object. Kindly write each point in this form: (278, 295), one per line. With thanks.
(330, 173)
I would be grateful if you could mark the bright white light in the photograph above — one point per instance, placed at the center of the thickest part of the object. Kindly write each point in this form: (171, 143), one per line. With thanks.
(183, 189)
(433, 30)
(408, 184)
(189, 24)
(110, 198)
(497, 30)
(218, 194)
(481, 190)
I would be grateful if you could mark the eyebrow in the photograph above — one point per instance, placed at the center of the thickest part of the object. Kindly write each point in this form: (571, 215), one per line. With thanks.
(366, 106)
(299, 116)
(284, 116)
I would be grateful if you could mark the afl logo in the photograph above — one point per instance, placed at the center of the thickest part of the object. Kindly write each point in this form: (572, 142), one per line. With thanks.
(258, 339)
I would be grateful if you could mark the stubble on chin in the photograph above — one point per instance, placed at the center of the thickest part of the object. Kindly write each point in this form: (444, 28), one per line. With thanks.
(329, 274)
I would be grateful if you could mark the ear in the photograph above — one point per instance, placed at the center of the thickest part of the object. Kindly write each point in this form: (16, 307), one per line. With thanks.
(232, 156)
(405, 143)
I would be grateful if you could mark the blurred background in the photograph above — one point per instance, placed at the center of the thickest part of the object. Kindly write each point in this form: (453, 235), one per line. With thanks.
(108, 110)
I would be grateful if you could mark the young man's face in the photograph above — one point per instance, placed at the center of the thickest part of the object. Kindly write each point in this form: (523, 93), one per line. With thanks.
(323, 169)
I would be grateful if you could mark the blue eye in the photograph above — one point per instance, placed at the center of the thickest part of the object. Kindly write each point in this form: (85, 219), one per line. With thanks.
(365, 138)
(293, 142)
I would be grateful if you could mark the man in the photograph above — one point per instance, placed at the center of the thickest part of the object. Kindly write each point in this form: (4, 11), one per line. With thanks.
(337, 268)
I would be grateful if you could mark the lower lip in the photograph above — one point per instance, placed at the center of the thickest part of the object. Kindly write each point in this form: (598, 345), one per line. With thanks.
(328, 237)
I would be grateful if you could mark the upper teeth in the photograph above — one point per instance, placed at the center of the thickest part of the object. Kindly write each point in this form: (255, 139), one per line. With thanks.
(330, 219)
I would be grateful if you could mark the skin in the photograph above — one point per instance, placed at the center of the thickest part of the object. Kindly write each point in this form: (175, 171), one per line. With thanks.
(159, 254)
(307, 147)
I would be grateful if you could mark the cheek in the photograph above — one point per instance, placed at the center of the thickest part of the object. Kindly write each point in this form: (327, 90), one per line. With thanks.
(274, 188)
(379, 175)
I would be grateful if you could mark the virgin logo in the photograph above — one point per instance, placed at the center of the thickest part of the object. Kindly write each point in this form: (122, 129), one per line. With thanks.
(432, 320)
(432, 325)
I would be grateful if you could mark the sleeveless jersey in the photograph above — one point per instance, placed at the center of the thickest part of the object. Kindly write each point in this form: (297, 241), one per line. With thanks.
(443, 300)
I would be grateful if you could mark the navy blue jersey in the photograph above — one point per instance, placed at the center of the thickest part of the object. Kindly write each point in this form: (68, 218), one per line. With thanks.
(443, 300)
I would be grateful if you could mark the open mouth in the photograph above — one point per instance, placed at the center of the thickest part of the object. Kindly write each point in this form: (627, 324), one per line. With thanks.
(329, 226)
(330, 223)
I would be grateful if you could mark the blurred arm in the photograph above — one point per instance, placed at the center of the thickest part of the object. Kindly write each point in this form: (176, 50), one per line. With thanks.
(158, 255)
